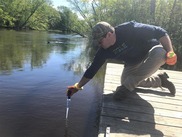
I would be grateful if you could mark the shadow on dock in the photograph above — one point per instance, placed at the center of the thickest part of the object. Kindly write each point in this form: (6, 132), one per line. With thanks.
(132, 115)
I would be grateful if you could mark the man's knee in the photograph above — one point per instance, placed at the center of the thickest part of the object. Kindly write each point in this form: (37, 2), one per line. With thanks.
(158, 52)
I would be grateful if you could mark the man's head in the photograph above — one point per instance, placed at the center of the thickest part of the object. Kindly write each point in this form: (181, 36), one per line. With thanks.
(102, 34)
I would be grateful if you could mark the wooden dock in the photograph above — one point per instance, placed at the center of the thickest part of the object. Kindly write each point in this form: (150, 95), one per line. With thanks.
(146, 113)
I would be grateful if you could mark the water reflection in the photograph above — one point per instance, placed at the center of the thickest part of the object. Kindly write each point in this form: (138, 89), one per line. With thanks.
(34, 74)
(18, 49)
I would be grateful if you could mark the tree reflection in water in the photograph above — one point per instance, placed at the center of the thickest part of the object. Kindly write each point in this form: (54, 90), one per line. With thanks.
(35, 69)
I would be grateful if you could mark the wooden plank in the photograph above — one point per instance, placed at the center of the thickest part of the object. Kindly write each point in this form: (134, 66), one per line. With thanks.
(137, 128)
(112, 84)
(142, 106)
(145, 113)
(117, 79)
(141, 116)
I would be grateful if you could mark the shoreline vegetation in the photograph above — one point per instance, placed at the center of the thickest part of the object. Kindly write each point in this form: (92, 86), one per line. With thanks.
(81, 15)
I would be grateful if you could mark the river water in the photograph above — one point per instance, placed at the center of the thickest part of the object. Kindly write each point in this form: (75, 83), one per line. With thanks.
(34, 75)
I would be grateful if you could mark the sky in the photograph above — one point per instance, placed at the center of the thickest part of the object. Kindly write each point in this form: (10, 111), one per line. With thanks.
(60, 3)
(57, 3)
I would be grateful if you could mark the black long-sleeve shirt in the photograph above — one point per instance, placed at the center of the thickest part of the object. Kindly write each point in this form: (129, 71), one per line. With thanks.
(133, 41)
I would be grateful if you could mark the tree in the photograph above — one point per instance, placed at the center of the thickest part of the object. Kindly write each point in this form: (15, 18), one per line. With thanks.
(35, 4)
(20, 11)
(70, 22)
(164, 13)
(46, 17)
(33, 14)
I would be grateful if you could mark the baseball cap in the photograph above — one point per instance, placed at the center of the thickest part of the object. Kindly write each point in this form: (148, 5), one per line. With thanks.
(99, 31)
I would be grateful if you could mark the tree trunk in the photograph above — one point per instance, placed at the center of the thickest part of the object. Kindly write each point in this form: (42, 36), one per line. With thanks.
(34, 9)
(152, 9)
(172, 11)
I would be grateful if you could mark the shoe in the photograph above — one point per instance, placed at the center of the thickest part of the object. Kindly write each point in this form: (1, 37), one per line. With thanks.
(121, 93)
(166, 83)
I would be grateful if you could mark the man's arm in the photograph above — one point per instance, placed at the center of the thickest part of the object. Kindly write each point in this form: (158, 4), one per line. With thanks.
(83, 81)
(89, 73)
(166, 43)
(171, 57)
(78, 86)
(147, 32)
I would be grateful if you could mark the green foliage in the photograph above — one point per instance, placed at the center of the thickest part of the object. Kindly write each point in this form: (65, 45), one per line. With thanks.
(34, 14)
(23, 47)
(70, 21)
(164, 13)
(44, 18)
(83, 14)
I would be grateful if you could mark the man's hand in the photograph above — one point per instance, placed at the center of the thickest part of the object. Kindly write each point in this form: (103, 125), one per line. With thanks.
(171, 58)
(73, 89)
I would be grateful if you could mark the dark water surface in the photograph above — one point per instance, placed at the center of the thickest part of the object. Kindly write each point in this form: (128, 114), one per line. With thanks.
(34, 75)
